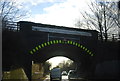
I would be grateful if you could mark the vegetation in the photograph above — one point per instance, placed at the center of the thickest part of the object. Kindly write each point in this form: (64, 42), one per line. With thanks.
(46, 66)
(10, 11)
(104, 17)
(15, 74)
(67, 65)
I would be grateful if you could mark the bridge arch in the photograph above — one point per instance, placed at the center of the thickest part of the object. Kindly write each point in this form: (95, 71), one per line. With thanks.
(81, 55)
(69, 42)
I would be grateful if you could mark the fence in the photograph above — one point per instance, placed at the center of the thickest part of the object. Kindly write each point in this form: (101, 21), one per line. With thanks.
(12, 26)
(110, 37)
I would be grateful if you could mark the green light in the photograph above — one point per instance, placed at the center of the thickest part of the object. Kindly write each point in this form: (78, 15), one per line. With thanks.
(39, 46)
(78, 45)
(36, 48)
(81, 46)
(51, 42)
(91, 54)
(45, 44)
(88, 51)
(71, 42)
(63, 42)
(68, 42)
(85, 49)
(31, 52)
(48, 43)
(60, 41)
(56, 41)
(42, 45)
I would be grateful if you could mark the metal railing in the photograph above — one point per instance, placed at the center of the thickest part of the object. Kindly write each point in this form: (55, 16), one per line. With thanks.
(110, 37)
(12, 26)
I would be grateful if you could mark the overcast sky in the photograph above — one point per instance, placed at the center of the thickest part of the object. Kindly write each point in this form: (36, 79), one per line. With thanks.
(56, 60)
(55, 12)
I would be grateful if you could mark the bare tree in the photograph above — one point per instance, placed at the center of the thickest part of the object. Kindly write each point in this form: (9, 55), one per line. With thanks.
(101, 18)
(10, 11)
(47, 66)
(67, 65)
(116, 14)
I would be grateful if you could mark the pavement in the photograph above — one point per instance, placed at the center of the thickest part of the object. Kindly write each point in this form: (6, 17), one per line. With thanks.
(65, 78)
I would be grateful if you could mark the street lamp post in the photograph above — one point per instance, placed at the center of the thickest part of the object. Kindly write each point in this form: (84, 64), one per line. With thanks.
(118, 18)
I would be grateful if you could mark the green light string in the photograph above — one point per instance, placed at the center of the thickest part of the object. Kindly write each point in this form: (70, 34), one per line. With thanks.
(60, 42)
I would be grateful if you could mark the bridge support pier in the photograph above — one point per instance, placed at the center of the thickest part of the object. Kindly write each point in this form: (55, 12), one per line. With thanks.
(28, 68)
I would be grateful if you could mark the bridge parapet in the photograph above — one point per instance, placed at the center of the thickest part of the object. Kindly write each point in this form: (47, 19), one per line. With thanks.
(31, 26)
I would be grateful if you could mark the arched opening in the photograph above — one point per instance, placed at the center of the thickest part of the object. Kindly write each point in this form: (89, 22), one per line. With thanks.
(62, 62)
(40, 70)
(44, 51)
(80, 55)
